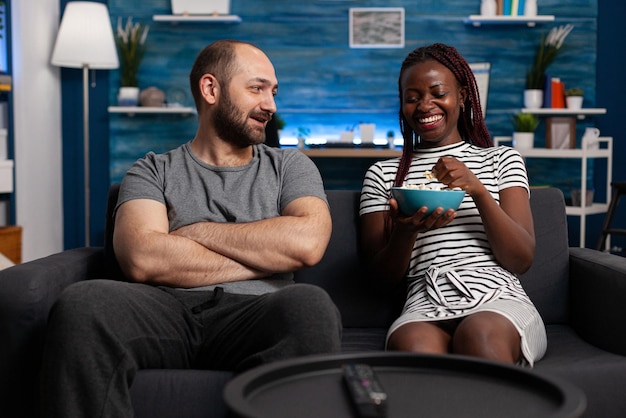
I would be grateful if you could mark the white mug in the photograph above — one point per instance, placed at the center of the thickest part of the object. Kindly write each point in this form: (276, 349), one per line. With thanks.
(590, 138)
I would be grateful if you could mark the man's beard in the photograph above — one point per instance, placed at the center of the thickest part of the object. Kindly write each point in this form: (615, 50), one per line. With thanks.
(232, 127)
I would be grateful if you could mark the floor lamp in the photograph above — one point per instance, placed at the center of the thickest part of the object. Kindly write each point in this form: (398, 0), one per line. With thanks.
(85, 40)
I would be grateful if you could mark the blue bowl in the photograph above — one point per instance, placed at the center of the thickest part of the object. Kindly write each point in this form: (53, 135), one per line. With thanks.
(411, 200)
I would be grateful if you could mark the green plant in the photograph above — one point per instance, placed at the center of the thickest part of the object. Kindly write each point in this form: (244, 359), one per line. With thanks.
(130, 39)
(280, 122)
(546, 54)
(525, 122)
(303, 132)
(574, 91)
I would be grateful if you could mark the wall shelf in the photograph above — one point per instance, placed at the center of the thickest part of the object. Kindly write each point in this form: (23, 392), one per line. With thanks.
(579, 113)
(584, 154)
(132, 110)
(478, 20)
(197, 18)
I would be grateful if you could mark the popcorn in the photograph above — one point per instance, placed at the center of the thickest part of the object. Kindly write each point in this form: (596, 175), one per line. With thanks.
(423, 186)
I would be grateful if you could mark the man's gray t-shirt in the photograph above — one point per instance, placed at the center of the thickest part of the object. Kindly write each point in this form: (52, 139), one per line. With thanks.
(194, 191)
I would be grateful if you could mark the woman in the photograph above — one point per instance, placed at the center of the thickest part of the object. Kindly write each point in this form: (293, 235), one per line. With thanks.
(460, 266)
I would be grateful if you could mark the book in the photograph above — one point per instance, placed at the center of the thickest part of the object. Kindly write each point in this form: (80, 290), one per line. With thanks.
(520, 8)
(506, 7)
(499, 6)
(558, 93)
(514, 7)
(547, 91)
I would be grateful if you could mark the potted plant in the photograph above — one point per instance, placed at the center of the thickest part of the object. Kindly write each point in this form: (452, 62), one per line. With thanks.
(574, 98)
(524, 125)
(280, 122)
(130, 39)
(546, 54)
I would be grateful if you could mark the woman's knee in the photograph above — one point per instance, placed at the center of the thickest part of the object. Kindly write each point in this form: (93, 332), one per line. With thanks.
(488, 335)
(419, 337)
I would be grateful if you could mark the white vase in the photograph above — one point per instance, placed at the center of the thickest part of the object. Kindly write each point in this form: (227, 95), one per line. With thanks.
(488, 8)
(533, 98)
(128, 96)
(366, 130)
(523, 140)
(574, 102)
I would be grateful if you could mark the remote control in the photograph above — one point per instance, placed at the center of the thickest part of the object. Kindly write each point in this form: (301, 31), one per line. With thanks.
(368, 396)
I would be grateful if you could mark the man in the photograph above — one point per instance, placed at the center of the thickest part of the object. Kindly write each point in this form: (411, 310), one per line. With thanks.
(208, 235)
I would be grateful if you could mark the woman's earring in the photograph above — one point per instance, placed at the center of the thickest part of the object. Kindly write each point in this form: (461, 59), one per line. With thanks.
(462, 107)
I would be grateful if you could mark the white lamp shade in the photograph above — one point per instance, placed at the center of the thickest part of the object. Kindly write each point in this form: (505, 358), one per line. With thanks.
(85, 37)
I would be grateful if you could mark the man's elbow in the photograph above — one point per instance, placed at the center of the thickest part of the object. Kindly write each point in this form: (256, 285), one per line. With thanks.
(312, 253)
(138, 272)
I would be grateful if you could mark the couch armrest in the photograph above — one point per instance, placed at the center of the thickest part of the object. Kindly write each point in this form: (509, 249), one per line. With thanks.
(27, 292)
(597, 295)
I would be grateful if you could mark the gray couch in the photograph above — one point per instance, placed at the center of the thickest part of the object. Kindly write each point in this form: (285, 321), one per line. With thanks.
(581, 294)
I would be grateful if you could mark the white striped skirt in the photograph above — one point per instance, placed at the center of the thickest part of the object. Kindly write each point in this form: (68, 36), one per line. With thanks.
(448, 293)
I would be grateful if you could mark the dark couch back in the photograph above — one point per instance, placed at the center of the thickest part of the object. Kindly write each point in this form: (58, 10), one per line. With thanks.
(341, 273)
(547, 280)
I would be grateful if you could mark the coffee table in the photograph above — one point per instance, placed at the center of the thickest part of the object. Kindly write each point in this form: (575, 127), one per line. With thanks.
(417, 386)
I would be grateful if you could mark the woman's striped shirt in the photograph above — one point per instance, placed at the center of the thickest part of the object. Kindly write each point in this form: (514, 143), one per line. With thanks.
(453, 272)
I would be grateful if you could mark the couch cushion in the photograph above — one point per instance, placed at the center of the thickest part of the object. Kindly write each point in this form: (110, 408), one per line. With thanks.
(546, 282)
(600, 374)
(340, 271)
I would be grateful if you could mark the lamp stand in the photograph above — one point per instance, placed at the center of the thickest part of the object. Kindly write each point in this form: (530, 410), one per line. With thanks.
(86, 154)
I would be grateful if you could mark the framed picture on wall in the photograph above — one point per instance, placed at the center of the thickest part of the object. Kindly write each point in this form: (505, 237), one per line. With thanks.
(376, 27)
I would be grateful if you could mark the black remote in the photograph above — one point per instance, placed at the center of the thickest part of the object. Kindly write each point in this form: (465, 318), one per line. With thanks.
(368, 395)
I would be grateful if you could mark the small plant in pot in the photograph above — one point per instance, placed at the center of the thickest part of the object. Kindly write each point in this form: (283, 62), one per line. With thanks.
(130, 39)
(280, 122)
(524, 125)
(574, 98)
(546, 54)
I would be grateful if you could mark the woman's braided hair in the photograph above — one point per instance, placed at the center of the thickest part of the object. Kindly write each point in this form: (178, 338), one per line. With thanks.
(471, 124)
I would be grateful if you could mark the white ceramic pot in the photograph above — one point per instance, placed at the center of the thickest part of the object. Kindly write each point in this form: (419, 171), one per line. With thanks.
(533, 98)
(574, 102)
(366, 130)
(590, 138)
(523, 140)
(128, 96)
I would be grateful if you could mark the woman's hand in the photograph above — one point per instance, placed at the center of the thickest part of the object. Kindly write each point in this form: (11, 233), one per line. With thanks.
(455, 174)
(419, 222)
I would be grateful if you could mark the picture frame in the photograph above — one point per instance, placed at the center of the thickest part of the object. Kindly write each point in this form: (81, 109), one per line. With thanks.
(482, 71)
(376, 27)
(561, 132)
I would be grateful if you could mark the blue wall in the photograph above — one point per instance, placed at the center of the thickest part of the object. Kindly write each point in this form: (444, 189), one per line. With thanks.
(326, 86)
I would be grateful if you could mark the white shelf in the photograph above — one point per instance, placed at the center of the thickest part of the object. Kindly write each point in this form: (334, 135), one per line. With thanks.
(131, 110)
(477, 20)
(579, 113)
(197, 18)
(6, 176)
(594, 209)
(604, 150)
